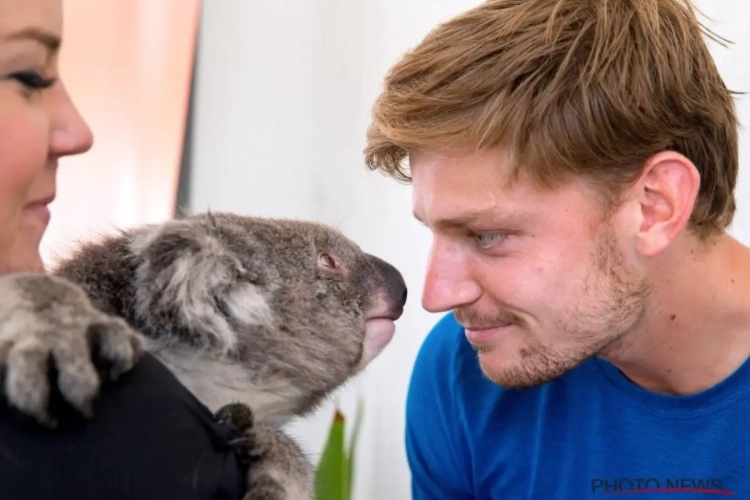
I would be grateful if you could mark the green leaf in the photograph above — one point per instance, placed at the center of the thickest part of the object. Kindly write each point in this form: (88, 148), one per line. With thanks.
(331, 474)
(353, 446)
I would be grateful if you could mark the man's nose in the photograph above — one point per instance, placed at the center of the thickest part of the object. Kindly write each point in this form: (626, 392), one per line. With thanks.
(448, 283)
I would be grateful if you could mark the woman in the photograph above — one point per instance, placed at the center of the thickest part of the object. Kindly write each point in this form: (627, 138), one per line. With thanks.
(149, 438)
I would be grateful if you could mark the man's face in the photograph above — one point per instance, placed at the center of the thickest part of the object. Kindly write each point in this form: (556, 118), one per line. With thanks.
(535, 276)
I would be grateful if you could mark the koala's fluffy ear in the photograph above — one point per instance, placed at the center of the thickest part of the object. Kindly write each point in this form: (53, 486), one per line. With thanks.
(188, 275)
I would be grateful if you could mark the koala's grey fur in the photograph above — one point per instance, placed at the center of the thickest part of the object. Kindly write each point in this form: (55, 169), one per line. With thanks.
(274, 314)
(274, 463)
(43, 317)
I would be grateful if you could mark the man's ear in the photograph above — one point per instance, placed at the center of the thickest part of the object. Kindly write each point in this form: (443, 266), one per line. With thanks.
(665, 192)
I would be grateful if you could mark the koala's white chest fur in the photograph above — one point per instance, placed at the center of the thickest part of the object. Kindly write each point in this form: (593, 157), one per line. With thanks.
(217, 382)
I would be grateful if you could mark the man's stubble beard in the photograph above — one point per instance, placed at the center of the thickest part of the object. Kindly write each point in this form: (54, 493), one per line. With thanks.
(616, 300)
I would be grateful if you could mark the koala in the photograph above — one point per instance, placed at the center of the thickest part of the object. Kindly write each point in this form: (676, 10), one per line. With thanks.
(260, 318)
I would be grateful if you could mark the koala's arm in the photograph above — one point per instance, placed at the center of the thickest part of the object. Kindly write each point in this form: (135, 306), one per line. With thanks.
(276, 467)
(47, 321)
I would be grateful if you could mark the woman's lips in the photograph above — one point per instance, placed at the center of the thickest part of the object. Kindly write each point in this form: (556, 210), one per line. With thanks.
(40, 209)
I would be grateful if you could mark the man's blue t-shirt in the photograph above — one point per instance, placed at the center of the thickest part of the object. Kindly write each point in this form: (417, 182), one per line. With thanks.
(588, 435)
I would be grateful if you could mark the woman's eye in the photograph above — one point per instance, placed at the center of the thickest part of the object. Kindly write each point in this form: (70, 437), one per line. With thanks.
(33, 80)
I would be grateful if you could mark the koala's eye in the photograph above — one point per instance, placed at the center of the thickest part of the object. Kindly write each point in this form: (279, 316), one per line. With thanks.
(326, 261)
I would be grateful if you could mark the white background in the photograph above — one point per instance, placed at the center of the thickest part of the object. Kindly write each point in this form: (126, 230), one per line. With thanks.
(283, 91)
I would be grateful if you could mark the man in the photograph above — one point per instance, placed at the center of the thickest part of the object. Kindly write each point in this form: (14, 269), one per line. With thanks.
(576, 162)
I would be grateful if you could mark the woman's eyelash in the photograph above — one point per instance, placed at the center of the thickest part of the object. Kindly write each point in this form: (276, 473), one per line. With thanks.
(33, 80)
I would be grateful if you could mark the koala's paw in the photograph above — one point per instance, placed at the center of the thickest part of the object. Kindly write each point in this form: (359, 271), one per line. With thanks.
(277, 469)
(51, 337)
(239, 418)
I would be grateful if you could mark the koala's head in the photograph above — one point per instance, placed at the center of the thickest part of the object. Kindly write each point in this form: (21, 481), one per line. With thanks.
(294, 300)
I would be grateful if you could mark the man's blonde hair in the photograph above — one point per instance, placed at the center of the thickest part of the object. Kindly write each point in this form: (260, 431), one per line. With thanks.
(587, 88)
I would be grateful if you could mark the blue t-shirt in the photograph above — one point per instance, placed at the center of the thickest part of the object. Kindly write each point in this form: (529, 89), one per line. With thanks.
(587, 435)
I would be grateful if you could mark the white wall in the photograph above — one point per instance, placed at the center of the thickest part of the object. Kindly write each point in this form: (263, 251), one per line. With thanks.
(283, 90)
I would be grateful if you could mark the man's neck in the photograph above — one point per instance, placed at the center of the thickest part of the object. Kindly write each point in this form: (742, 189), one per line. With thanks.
(697, 329)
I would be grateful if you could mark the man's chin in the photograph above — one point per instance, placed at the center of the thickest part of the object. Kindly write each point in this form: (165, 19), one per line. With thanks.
(516, 374)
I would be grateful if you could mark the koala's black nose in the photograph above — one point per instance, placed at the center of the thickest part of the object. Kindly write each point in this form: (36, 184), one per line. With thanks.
(402, 300)
(393, 282)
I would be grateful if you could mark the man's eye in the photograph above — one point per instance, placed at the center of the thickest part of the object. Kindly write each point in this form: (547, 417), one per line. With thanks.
(33, 80)
(486, 240)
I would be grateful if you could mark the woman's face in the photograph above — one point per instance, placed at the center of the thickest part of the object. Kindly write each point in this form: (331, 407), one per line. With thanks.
(38, 125)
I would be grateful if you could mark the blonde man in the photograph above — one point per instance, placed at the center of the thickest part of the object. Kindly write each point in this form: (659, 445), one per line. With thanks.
(575, 161)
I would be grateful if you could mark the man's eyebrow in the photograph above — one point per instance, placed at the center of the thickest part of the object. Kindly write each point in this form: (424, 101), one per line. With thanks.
(49, 40)
(458, 221)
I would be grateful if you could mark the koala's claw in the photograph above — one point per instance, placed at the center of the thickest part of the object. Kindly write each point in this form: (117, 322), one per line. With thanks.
(237, 416)
(116, 345)
(276, 467)
(27, 385)
(48, 325)
(240, 420)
